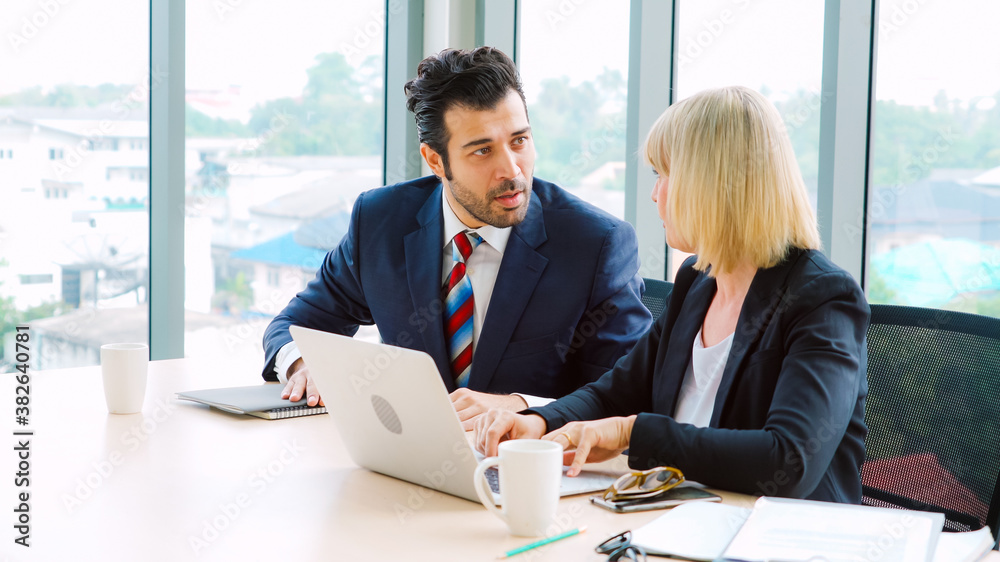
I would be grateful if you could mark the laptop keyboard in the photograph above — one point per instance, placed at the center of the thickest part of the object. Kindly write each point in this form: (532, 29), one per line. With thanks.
(493, 478)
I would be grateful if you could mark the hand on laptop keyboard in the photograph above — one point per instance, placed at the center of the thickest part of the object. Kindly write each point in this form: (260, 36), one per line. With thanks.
(500, 425)
(471, 404)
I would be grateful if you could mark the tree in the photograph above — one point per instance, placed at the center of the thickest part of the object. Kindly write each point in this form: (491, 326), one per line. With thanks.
(234, 296)
(339, 113)
(800, 114)
(878, 291)
(69, 95)
(10, 317)
(578, 128)
(197, 124)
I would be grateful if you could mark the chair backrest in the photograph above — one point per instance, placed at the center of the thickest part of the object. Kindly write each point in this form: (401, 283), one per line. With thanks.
(933, 414)
(656, 295)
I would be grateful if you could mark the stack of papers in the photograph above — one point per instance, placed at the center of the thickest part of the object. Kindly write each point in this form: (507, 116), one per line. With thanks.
(785, 529)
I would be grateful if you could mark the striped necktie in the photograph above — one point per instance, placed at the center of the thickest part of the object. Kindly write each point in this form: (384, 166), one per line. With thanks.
(460, 307)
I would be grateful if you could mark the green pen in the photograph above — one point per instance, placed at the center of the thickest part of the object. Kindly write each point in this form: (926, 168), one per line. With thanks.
(542, 542)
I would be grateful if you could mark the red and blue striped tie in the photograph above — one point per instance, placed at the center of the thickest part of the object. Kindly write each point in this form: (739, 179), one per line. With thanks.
(460, 307)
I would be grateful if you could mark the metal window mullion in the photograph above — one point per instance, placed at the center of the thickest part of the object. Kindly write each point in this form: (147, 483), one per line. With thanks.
(166, 179)
(652, 75)
(498, 24)
(849, 41)
(404, 43)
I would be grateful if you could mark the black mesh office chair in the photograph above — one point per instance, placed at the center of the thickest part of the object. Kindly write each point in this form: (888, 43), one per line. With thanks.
(933, 414)
(655, 296)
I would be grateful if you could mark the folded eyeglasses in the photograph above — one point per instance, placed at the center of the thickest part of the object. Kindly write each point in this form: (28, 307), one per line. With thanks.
(644, 484)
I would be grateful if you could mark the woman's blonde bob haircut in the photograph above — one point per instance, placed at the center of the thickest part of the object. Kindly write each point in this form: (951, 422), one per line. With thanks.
(735, 191)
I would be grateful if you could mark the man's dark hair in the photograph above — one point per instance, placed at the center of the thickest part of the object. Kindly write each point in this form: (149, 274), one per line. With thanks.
(478, 79)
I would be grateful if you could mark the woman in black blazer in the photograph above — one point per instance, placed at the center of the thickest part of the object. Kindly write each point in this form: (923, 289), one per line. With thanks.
(778, 406)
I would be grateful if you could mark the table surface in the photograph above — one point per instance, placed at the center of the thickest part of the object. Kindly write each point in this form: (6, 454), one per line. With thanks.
(181, 481)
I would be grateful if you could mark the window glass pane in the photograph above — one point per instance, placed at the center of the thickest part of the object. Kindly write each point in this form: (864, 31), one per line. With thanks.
(74, 178)
(284, 130)
(775, 48)
(575, 82)
(934, 199)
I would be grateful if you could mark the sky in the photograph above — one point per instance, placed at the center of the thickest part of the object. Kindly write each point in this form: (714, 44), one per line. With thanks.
(265, 46)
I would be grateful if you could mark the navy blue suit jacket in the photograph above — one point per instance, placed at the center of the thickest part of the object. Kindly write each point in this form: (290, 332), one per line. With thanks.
(565, 307)
(789, 414)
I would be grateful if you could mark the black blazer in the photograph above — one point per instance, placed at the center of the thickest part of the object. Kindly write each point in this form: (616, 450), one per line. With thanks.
(789, 414)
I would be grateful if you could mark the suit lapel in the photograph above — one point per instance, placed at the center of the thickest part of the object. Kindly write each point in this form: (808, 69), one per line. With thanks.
(520, 270)
(689, 321)
(423, 250)
(767, 291)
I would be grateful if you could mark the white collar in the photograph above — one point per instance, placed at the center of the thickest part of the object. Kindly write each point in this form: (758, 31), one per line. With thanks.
(495, 237)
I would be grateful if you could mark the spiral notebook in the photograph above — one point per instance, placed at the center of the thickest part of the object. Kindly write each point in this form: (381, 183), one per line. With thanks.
(262, 401)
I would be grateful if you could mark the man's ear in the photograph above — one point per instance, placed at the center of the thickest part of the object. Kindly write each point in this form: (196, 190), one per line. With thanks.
(433, 159)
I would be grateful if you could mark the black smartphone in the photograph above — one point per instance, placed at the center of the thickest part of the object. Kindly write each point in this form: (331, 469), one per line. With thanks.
(670, 498)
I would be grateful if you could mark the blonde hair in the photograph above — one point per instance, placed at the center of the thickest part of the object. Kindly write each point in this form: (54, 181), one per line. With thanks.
(736, 193)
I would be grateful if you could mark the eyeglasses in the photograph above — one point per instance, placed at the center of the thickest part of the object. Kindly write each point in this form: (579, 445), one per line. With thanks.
(620, 547)
(645, 484)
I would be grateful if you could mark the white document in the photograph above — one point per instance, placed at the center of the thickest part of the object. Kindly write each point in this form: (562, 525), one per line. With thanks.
(963, 547)
(785, 529)
(697, 531)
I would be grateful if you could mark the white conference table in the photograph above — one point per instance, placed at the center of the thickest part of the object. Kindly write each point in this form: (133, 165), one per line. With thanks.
(184, 482)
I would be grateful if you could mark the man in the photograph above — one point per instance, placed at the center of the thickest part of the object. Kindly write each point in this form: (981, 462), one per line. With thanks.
(511, 284)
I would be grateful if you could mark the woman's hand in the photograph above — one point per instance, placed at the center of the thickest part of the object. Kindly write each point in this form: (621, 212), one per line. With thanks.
(500, 425)
(592, 441)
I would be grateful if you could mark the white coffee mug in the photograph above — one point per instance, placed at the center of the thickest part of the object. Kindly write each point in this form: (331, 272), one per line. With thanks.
(124, 367)
(530, 474)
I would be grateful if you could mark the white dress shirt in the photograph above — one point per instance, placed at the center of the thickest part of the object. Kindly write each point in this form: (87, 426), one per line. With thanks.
(482, 268)
(701, 381)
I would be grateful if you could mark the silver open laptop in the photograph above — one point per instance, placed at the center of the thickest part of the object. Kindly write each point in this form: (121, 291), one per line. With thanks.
(395, 417)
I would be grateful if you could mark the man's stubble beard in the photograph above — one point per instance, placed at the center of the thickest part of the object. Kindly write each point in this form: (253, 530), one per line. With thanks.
(482, 209)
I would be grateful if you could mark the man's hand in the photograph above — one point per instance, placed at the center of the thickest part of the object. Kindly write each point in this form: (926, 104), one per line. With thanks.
(471, 404)
(592, 441)
(500, 425)
(300, 385)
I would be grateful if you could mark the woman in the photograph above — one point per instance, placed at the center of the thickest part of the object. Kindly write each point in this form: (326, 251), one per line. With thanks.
(753, 379)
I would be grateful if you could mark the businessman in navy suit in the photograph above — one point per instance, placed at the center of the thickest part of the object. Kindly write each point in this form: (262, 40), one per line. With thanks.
(519, 291)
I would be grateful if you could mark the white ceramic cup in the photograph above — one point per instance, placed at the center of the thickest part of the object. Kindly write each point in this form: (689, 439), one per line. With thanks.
(530, 474)
(124, 367)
